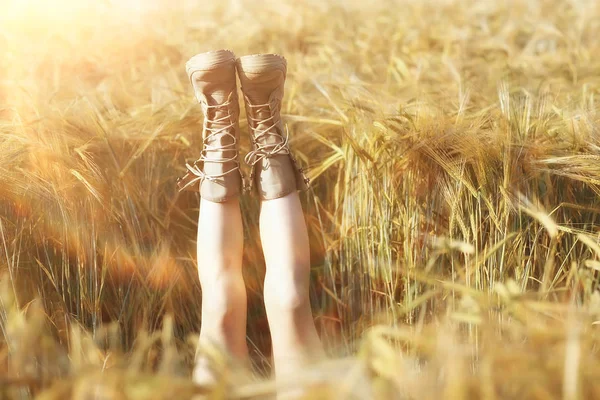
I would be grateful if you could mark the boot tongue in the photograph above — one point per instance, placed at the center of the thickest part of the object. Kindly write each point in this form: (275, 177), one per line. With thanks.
(216, 113)
(261, 96)
(258, 95)
(264, 113)
(221, 116)
(217, 97)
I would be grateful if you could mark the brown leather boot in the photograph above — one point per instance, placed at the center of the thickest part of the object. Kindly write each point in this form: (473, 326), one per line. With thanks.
(275, 171)
(217, 172)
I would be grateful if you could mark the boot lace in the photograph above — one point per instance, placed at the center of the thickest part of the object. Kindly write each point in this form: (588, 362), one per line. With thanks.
(210, 133)
(264, 150)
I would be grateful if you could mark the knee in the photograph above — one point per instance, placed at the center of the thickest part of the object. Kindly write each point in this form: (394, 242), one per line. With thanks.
(223, 295)
(286, 293)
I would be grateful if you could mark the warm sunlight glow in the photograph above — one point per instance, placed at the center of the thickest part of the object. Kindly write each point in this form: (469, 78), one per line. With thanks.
(448, 246)
(61, 7)
(32, 13)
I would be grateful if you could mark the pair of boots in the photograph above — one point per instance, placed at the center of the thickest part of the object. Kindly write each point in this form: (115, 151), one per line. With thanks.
(217, 174)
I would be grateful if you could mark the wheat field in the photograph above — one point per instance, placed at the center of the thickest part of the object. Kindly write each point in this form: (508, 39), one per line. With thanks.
(454, 148)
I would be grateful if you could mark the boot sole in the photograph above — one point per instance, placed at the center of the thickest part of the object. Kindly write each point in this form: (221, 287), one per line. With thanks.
(259, 63)
(209, 61)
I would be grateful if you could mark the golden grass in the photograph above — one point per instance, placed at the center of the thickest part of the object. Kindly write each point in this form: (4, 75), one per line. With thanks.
(455, 151)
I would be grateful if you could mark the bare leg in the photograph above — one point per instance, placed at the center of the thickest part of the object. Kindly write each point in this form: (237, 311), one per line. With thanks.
(285, 244)
(220, 247)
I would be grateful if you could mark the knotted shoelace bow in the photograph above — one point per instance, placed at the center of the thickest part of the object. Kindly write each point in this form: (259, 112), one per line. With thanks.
(209, 134)
(264, 150)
